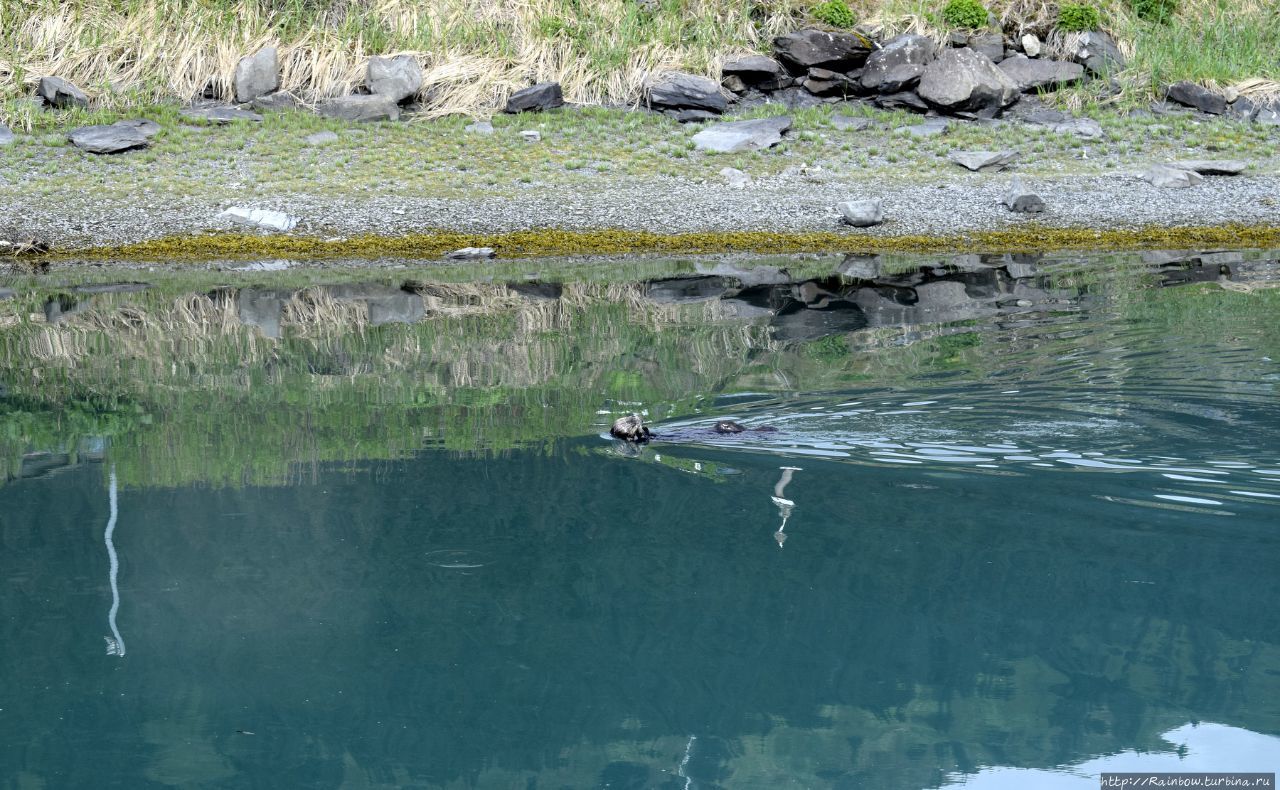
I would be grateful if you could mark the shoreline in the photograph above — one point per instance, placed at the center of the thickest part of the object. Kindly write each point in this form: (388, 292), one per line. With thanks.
(602, 182)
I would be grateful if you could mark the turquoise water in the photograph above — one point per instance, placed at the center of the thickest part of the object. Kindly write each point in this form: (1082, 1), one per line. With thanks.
(1016, 527)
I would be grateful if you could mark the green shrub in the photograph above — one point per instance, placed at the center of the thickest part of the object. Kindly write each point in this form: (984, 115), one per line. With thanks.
(1154, 10)
(1077, 17)
(835, 13)
(965, 13)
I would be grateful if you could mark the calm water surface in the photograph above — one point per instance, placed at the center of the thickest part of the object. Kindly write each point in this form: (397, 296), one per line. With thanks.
(1017, 524)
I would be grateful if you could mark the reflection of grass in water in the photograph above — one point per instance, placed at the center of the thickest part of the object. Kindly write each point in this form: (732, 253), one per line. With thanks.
(187, 393)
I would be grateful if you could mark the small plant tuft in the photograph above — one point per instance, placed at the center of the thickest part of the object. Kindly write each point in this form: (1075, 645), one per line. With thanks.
(835, 13)
(1078, 17)
(965, 14)
(1154, 10)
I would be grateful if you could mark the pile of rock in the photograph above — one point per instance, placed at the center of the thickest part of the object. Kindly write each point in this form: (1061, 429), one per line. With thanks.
(1223, 102)
(973, 75)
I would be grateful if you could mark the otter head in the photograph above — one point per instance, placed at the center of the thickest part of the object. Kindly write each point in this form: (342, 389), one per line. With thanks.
(629, 429)
(728, 426)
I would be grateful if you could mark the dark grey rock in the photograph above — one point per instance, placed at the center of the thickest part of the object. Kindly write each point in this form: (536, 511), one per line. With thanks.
(901, 78)
(112, 139)
(805, 49)
(676, 90)
(838, 317)
(1018, 198)
(60, 93)
(1098, 53)
(691, 116)
(360, 108)
(257, 75)
(219, 115)
(680, 290)
(757, 71)
(796, 98)
(1166, 177)
(399, 77)
(983, 160)
(824, 82)
(538, 292)
(904, 55)
(536, 98)
(6, 136)
(962, 79)
(1201, 98)
(862, 213)
(1032, 74)
(1212, 167)
(905, 100)
(735, 136)
(989, 44)
(277, 102)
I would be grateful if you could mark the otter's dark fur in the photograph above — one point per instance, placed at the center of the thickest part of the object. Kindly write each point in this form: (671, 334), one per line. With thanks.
(632, 429)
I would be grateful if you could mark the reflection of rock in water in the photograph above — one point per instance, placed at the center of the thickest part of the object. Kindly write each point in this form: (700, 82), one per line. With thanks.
(262, 308)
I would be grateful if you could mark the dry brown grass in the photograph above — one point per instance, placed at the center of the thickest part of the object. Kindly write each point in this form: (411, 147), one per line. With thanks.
(474, 52)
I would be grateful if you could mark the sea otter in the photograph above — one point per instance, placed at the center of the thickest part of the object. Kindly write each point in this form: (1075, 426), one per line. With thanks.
(632, 429)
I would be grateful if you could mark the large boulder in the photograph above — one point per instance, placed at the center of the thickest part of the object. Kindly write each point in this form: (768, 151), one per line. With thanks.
(257, 75)
(962, 80)
(1197, 96)
(805, 49)
(897, 65)
(111, 139)
(360, 108)
(757, 71)
(1098, 53)
(862, 213)
(59, 93)
(735, 136)
(543, 96)
(1032, 74)
(675, 90)
(1166, 177)
(399, 77)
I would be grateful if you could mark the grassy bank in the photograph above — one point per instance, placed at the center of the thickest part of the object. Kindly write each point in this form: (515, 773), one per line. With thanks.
(475, 53)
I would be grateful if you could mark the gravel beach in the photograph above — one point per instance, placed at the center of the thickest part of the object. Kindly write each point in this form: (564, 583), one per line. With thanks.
(942, 206)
